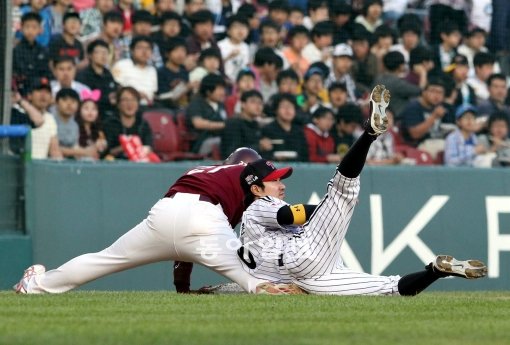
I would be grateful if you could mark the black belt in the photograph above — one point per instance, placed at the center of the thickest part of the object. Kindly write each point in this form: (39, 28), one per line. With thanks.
(280, 260)
(200, 197)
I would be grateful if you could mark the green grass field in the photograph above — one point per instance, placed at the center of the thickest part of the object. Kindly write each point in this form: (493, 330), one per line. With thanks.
(168, 318)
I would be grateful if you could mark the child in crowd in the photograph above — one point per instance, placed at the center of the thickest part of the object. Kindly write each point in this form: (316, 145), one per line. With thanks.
(348, 123)
(484, 67)
(245, 82)
(497, 140)
(170, 28)
(321, 144)
(67, 43)
(382, 151)
(296, 16)
(298, 39)
(320, 49)
(337, 94)
(209, 62)
(318, 11)
(235, 52)
(30, 59)
(461, 146)
(91, 134)
(444, 52)
(39, 7)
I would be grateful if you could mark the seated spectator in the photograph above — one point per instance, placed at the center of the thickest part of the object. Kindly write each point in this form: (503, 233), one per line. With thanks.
(473, 43)
(288, 83)
(341, 17)
(98, 77)
(249, 11)
(39, 7)
(318, 11)
(313, 86)
(364, 65)
(161, 7)
(209, 62)
(422, 118)
(202, 36)
(173, 78)
(141, 26)
(498, 92)
(382, 150)
(420, 65)
(461, 146)
(321, 144)
(64, 71)
(348, 123)
(190, 8)
(92, 18)
(137, 71)
(90, 129)
(342, 63)
(266, 65)
(67, 43)
(287, 138)
(337, 95)
(245, 130)
(447, 49)
(234, 51)
(127, 10)
(206, 116)
(33, 112)
(67, 103)
(370, 16)
(410, 31)
(401, 90)
(112, 30)
(484, 67)
(271, 37)
(298, 38)
(459, 71)
(170, 28)
(383, 41)
(296, 16)
(57, 11)
(278, 11)
(320, 48)
(245, 82)
(128, 121)
(497, 141)
(30, 59)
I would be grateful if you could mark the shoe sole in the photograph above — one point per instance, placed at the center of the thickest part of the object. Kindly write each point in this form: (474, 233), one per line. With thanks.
(379, 101)
(469, 269)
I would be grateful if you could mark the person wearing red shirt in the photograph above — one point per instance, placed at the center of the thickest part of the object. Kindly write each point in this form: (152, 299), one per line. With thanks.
(321, 144)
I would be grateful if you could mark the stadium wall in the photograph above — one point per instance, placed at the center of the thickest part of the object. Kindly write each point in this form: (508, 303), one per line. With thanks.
(405, 216)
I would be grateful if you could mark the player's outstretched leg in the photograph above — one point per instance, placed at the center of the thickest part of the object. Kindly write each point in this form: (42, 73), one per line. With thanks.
(443, 266)
(353, 162)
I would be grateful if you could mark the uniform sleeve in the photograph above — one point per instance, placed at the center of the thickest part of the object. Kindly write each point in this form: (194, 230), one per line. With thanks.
(264, 212)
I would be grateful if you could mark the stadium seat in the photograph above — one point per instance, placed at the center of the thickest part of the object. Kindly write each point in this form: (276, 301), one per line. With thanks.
(418, 156)
(168, 139)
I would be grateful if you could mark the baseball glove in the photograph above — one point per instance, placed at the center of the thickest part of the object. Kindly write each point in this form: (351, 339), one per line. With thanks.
(279, 289)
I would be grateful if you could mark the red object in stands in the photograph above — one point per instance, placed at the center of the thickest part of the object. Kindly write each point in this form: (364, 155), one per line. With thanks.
(420, 157)
(170, 137)
(133, 147)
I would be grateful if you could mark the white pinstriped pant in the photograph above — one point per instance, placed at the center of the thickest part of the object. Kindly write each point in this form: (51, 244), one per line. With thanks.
(313, 258)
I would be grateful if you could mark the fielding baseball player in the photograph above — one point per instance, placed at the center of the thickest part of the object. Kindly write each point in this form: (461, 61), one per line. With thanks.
(192, 223)
(301, 243)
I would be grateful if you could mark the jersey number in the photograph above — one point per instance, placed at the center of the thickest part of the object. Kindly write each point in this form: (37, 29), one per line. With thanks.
(247, 258)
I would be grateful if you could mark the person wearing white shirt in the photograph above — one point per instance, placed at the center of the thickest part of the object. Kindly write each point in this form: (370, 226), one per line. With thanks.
(64, 71)
(320, 49)
(234, 51)
(484, 67)
(137, 71)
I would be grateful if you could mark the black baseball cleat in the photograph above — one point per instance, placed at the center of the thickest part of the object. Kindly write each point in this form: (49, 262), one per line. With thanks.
(449, 266)
(377, 124)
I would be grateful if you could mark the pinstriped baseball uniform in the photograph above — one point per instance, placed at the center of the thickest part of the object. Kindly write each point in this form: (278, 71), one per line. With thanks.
(310, 254)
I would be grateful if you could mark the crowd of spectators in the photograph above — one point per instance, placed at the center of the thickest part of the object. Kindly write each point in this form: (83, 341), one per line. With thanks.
(289, 78)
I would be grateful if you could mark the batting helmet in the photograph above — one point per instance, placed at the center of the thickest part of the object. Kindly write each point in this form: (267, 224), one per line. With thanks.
(242, 154)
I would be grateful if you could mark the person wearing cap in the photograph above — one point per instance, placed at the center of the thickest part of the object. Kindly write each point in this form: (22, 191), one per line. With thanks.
(142, 22)
(33, 112)
(459, 72)
(301, 243)
(342, 63)
(461, 146)
(245, 129)
(401, 90)
(67, 43)
(320, 48)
